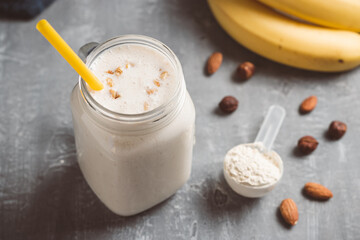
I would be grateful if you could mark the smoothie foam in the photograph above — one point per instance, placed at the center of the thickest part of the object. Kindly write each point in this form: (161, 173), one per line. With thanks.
(136, 79)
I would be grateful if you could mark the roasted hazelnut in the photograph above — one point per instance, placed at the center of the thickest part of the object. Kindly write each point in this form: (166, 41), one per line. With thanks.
(337, 129)
(307, 144)
(228, 104)
(245, 70)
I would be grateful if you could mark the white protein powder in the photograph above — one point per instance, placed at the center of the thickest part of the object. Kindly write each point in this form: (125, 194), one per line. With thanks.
(248, 164)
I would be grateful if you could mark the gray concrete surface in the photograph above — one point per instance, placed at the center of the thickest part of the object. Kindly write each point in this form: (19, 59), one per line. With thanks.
(43, 194)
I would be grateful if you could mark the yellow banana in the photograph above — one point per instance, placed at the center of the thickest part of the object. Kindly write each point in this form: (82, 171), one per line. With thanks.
(342, 14)
(287, 41)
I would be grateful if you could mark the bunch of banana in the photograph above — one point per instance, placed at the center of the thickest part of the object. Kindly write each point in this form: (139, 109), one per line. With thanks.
(285, 40)
(341, 14)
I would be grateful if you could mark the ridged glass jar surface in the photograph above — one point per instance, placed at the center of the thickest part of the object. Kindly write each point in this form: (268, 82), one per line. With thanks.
(134, 161)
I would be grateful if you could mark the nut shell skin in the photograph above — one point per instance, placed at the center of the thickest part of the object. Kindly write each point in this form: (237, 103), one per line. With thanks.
(289, 211)
(307, 144)
(317, 191)
(308, 104)
(214, 62)
(337, 130)
(228, 104)
(245, 70)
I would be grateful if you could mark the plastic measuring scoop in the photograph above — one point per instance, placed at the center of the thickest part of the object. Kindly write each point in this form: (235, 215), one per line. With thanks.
(263, 143)
(271, 126)
(70, 56)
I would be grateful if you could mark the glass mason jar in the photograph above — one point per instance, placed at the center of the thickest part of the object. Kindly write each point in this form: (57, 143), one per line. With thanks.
(134, 161)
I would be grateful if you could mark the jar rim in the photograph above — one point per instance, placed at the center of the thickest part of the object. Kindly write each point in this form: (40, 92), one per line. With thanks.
(152, 115)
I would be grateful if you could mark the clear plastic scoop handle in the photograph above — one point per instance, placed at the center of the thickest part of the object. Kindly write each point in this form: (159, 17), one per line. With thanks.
(271, 126)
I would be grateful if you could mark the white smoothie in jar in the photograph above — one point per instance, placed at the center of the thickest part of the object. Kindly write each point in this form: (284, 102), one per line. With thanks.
(134, 138)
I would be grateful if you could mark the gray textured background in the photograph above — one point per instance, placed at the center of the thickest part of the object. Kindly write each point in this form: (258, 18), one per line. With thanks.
(43, 194)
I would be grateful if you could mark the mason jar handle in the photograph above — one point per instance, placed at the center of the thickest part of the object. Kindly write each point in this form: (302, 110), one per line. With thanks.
(86, 49)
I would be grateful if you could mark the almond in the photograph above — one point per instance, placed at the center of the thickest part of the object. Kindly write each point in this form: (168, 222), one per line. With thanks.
(146, 106)
(150, 91)
(157, 83)
(214, 62)
(164, 75)
(308, 104)
(317, 191)
(118, 71)
(289, 211)
(114, 94)
(109, 82)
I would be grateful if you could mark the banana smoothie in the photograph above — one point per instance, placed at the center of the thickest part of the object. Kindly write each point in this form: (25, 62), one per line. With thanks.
(134, 138)
(136, 79)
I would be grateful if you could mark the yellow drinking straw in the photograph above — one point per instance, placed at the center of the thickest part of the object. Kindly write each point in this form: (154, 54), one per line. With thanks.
(70, 56)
